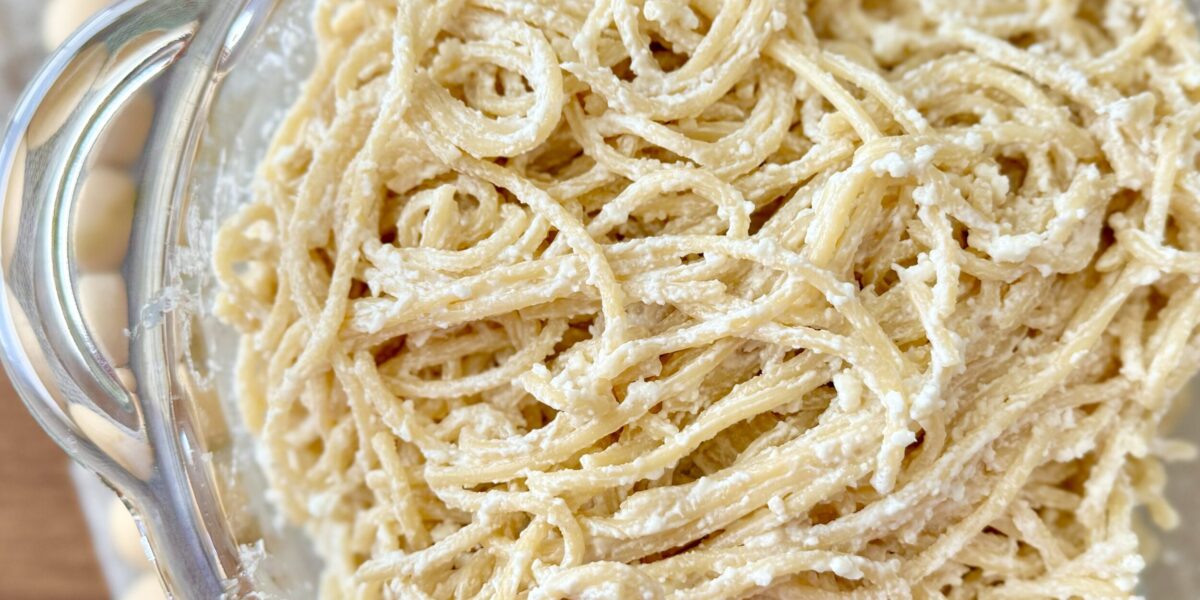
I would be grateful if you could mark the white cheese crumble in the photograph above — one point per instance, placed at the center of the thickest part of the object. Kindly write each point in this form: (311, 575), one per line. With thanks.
(761, 577)
(776, 505)
(846, 568)
(893, 164)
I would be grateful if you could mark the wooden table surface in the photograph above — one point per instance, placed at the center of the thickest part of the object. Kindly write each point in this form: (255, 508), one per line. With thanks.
(45, 548)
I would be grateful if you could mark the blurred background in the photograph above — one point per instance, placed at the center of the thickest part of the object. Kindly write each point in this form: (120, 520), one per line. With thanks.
(63, 534)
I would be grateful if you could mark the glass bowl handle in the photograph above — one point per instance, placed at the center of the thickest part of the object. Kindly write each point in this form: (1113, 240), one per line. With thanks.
(53, 360)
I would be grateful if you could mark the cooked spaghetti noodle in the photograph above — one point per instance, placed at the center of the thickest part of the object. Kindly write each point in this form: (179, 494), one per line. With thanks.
(702, 299)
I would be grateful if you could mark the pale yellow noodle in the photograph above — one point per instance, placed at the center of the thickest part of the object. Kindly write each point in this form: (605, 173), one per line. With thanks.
(723, 299)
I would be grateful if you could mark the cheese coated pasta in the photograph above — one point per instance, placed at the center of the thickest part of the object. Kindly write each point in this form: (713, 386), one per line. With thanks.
(674, 299)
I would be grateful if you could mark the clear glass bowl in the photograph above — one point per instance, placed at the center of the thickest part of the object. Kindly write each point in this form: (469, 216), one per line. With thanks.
(120, 362)
(102, 321)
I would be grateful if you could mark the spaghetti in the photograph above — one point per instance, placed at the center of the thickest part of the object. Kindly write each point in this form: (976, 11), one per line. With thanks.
(658, 299)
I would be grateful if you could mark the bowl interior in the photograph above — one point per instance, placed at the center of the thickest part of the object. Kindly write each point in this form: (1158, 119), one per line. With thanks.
(246, 109)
